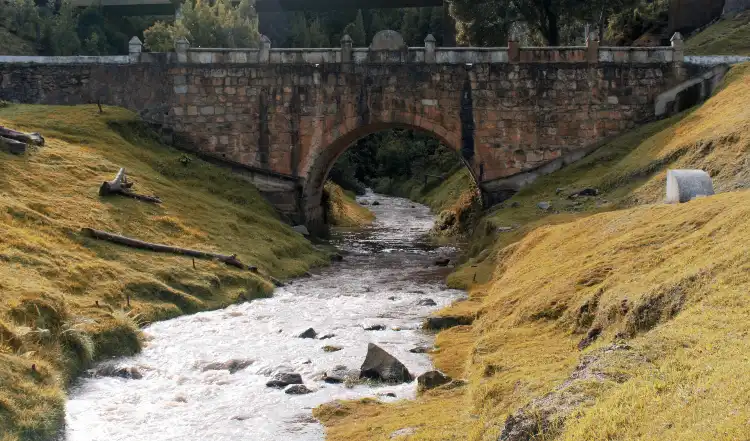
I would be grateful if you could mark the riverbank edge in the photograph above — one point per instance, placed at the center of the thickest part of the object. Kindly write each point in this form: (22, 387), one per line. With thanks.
(629, 172)
(55, 320)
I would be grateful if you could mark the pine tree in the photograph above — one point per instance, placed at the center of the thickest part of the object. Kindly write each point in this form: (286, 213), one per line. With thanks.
(356, 30)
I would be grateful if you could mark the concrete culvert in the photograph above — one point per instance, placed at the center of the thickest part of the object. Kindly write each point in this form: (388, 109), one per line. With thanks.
(685, 185)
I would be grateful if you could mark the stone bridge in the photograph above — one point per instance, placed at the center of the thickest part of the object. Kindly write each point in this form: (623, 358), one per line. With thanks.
(283, 116)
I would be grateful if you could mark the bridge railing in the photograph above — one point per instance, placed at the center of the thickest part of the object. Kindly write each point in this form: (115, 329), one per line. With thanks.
(591, 53)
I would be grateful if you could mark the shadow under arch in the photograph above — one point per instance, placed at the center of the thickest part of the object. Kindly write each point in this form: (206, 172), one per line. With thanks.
(321, 160)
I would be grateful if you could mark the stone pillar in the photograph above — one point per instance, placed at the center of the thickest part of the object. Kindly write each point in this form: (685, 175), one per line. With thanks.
(514, 48)
(592, 49)
(346, 49)
(678, 48)
(135, 47)
(429, 49)
(264, 56)
(181, 46)
(678, 56)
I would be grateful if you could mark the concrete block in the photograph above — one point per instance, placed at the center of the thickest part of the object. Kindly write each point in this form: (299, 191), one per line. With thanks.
(685, 185)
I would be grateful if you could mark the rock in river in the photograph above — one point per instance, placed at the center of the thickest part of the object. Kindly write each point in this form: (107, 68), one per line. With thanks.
(375, 328)
(340, 374)
(432, 379)
(380, 365)
(426, 302)
(284, 379)
(442, 262)
(309, 333)
(446, 321)
(231, 365)
(297, 389)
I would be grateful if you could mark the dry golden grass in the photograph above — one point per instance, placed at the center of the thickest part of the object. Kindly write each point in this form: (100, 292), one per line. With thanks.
(343, 209)
(51, 276)
(669, 280)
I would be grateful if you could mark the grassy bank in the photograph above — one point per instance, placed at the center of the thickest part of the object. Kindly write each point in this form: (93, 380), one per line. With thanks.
(11, 44)
(65, 297)
(728, 36)
(343, 209)
(605, 317)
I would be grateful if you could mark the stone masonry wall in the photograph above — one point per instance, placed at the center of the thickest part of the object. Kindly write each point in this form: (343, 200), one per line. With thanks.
(143, 87)
(503, 118)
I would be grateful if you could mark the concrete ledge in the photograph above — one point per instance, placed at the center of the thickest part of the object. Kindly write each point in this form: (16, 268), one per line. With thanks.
(712, 60)
(449, 55)
(31, 59)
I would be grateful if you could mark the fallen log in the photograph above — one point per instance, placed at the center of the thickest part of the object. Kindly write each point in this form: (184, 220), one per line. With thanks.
(230, 260)
(120, 185)
(26, 138)
(12, 146)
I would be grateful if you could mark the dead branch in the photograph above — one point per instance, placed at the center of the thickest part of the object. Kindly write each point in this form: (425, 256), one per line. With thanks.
(12, 146)
(120, 185)
(230, 260)
(26, 138)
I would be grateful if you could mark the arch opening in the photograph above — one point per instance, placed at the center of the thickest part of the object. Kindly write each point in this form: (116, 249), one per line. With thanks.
(317, 168)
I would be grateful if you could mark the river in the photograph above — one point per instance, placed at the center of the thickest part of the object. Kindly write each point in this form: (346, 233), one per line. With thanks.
(388, 268)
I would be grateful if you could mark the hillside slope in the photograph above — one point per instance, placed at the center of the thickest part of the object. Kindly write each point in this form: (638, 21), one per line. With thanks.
(606, 317)
(68, 299)
(11, 44)
(728, 36)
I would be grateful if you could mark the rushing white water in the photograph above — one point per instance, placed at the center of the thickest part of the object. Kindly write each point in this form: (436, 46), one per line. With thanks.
(386, 271)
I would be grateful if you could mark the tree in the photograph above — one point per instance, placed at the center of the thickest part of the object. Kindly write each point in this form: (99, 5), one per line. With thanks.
(212, 25)
(159, 37)
(489, 23)
(484, 24)
(318, 38)
(62, 38)
(299, 33)
(377, 23)
(356, 30)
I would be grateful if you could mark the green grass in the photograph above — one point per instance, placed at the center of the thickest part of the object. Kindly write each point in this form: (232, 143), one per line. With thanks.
(64, 296)
(671, 281)
(729, 36)
(343, 209)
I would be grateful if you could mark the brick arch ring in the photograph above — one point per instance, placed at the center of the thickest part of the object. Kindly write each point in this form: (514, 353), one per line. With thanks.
(327, 144)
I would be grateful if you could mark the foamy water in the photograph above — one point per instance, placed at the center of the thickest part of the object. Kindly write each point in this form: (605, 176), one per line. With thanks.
(386, 272)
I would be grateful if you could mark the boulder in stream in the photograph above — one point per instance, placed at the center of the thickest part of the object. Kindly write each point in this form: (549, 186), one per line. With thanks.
(340, 374)
(442, 261)
(284, 379)
(419, 350)
(426, 302)
(112, 370)
(380, 365)
(309, 333)
(297, 389)
(446, 321)
(231, 365)
(432, 379)
(375, 328)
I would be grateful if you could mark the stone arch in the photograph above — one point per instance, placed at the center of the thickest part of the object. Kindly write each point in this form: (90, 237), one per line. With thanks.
(325, 150)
